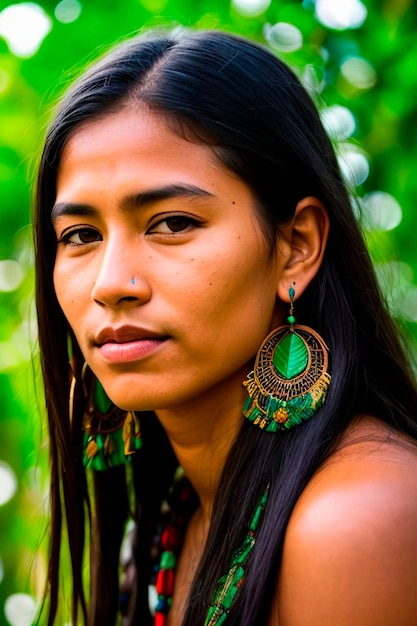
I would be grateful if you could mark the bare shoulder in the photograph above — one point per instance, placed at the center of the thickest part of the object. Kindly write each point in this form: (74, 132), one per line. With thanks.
(350, 553)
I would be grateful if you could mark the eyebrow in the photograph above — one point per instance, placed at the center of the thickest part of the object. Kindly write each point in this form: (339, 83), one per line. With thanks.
(134, 201)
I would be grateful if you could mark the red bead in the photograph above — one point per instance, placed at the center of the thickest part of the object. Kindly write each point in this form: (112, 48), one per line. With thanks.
(170, 538)
(165, 582)
(160, 619)
(186, 494)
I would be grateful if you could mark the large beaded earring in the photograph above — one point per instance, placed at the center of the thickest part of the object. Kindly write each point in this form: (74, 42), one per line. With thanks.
(111, 434)
(290, 379)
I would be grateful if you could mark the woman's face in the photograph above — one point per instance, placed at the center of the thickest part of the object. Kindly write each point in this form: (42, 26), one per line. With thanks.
(162, 269)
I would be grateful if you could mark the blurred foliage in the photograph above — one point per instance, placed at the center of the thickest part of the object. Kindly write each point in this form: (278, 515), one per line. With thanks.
(380, 101)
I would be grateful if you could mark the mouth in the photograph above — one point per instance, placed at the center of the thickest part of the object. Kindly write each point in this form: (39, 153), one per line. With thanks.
(127, 344)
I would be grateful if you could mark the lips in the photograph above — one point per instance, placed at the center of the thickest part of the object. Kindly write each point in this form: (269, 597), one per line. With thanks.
(127, 343)
(125, 334)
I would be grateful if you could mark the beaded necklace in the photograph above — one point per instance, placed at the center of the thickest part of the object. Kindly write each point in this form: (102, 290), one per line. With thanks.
(180, 505)
(175, 515)
(228, 586)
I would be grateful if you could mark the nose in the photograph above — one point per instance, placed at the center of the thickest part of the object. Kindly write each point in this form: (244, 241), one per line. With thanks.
(120, 278)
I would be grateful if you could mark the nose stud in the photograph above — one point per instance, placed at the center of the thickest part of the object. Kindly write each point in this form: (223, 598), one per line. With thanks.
(132, 280)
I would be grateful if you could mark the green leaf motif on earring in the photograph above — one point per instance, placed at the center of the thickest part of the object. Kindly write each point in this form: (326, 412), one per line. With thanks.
(290, 357)
(290, 379)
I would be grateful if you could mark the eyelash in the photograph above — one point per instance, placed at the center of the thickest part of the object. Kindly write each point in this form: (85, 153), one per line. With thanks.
(190, 223)
(65, 239)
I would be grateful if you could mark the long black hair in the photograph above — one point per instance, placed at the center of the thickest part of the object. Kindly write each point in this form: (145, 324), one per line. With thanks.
(236, 96)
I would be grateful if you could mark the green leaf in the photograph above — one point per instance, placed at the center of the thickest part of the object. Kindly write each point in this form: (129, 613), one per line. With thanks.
(290, 357)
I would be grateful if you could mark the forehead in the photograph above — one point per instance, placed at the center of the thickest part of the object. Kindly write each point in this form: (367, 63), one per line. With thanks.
(136, 152)
(131, 134)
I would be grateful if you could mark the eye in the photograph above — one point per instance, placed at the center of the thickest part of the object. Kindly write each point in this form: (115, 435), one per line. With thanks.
(173, 224)
(81, 237)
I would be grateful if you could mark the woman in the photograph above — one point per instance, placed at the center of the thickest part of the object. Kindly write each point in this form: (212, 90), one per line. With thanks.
(193, 234)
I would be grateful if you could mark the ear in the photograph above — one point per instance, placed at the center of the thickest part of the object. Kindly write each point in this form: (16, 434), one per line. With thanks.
(301, 246)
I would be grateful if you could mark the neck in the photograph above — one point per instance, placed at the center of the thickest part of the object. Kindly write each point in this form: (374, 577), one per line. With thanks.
(201, 435)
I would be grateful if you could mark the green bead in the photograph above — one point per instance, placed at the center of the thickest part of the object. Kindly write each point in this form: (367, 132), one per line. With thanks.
(291, 319)
(168, 560)
(290, 357)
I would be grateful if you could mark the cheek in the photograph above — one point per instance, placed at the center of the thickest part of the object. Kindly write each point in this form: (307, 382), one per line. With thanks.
(233, 298)
(67, 290)
(62, 289)
(243, 276)
(59, 290)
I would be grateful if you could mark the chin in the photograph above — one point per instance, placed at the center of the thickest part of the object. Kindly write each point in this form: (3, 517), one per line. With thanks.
(133, 404)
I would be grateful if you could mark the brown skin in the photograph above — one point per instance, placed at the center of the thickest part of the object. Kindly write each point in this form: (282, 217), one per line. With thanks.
(195, 270)
(351, 545)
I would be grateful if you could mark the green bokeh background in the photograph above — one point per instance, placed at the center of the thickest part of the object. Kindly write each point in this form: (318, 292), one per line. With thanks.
(386, 132)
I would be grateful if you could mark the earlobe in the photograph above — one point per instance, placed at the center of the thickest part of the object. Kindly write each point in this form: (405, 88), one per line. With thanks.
(302, 242)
